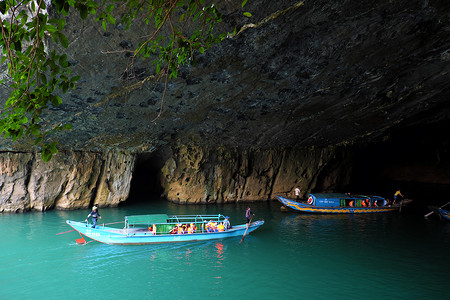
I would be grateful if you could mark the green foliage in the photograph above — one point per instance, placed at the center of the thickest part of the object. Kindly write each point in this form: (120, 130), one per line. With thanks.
(38, 78)
(170, 51)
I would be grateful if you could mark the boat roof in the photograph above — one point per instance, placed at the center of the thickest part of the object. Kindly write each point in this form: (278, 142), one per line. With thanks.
(146, 219)
(342, 196)
(164, 219)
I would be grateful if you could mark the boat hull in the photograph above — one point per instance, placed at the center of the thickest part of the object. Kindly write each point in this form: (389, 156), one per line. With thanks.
(306, 208)
(114, 236)
(444, 213)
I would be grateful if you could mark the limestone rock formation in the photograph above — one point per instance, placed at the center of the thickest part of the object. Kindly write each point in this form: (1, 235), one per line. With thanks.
(70, 180)
(203, 175)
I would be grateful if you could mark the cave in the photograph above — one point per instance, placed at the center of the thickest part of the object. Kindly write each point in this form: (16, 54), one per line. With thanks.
(414, 159)
(145, 183)
(370, 77)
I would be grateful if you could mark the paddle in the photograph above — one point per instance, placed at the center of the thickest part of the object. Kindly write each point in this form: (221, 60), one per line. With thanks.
(248, 225)
(81, 241)
(430, 213)
(66, 231)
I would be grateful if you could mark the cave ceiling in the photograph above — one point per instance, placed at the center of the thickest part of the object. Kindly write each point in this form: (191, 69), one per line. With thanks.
(298, 74)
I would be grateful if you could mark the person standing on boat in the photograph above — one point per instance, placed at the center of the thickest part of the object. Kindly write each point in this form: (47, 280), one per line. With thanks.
(94, 214)
(248, 215)
(297, 193)
(398, 196)
(226, 223)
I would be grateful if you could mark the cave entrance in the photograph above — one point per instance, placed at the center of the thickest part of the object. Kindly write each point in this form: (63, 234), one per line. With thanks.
(145, 183)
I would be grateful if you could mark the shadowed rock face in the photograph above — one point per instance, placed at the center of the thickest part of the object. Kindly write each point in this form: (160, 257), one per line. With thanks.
(313, 73)
(306, 75)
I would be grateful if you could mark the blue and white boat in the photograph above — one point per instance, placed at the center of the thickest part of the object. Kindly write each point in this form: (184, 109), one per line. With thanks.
(156, 228)
(340, 203)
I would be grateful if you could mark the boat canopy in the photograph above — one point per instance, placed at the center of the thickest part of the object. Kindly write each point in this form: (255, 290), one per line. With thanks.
(146, 219)
(341, 199)
(165, 219)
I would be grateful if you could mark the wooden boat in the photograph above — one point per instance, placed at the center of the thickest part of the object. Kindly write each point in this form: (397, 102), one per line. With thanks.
(155, 229)
(337, 203)
(445, 214)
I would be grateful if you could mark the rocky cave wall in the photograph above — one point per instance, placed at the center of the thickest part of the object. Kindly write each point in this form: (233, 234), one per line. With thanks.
(71, 180)
(195, 174)
(191, 174)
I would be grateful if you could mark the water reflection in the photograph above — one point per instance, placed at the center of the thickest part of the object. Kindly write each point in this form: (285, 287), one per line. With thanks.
(219, 247)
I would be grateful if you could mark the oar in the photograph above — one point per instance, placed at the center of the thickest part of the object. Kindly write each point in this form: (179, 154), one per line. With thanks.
(430, 213)
(66, 231)
(81, 241)
(248, 225)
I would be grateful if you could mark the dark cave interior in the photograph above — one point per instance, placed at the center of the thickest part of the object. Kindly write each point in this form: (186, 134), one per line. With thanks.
(415, 160)
(146, 183)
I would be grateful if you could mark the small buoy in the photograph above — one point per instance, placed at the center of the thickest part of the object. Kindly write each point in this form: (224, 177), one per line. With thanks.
(283, 208)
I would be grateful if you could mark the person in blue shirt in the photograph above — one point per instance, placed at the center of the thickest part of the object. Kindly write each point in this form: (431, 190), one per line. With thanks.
(226, 223)
(248, 215)
(94, 214)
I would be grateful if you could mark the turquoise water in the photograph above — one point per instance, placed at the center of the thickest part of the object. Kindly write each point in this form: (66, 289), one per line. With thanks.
(384, 256)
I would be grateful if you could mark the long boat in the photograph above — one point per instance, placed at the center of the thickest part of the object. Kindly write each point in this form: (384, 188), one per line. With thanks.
(340, 203)
(441, 212)
(156, 228)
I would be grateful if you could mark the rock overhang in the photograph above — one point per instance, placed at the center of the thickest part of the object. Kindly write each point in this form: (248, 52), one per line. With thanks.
(318, 74)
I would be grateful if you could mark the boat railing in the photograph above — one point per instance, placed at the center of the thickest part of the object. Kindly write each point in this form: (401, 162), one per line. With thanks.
(165, 227)
(176, 219)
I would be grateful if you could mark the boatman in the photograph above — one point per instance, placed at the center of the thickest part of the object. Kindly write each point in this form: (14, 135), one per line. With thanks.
(94, 214)
(398, 195)
(248, 215)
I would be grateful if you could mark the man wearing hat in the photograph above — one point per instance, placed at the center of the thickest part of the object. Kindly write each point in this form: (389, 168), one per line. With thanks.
(94, 214)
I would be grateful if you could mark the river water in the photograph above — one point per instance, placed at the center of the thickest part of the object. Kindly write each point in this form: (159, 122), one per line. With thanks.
(292, 256)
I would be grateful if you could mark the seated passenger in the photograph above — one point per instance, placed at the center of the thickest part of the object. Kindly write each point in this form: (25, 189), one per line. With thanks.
(375, 203)
(192, 228)
(209, 227)
(152, 229)
(220, 227)
(363, 203)
(350, 203)
(180, 229)
(174, 230)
